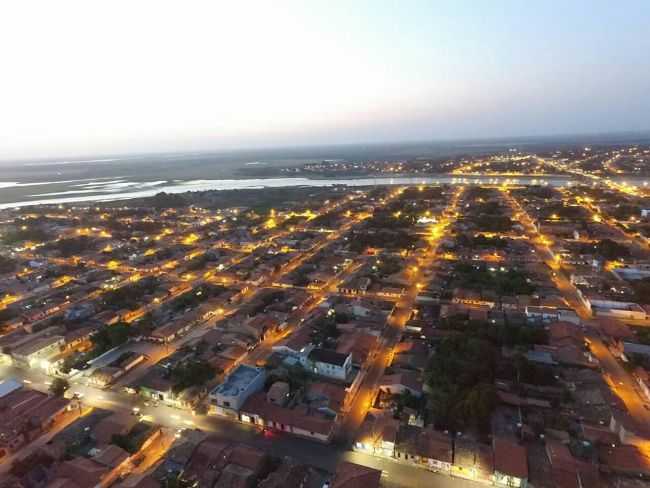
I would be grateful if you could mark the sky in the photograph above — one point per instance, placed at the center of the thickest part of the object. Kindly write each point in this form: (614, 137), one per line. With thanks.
(89, 77)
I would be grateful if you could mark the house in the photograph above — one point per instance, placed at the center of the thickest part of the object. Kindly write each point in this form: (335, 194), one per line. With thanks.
(542, 314)
(26, 414)
(104, 376)
(643, 380)
(326, 397)
(360, 344)
(36, 353)
(228, 397)
(155, 385)
(398, 384)
(378, 434)
(626, 460)
(289, 474)
(301, 420)
(330, 364)
(168, 332)
(510, 463)
(114, 424)
(633, 348)
(542, 357)
(615, 329)
(472, 461)
(567, 471)
(350, 475)
(355, 286)
(219, 463)
(83, 472)
(425, 447)
(9, 386)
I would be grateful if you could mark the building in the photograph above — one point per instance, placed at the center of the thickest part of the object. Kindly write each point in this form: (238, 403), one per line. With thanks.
(9, 386)
(228, 398)
(26, 414)
(472, 461)
(330, 364)
(37, 352)
(398, 384)
(542, 314)
(510, 464)
(350, 475)
(302, 420)
(103, 377)
(633, 348)
(424, 447)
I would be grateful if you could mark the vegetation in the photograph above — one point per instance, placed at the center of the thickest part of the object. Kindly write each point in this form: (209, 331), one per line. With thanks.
(425, 193)
(492, 223)
(461, 378)
(571, 212)
(191, 373)
(387, 265)
(507, 334)
(59, 386)
(195, 296)
(26, 233)
(167, 200)
(109, 337)
(394, 239)
(643, 334)
(73, 245)
(530, 373)
(7, 265)
(133, 440)
(325, 330)
(462, 371)
(480, 241)
(7, 314)
(608, 249)
(130, 296)
(625, 211)
(480, 277)
(408, 400)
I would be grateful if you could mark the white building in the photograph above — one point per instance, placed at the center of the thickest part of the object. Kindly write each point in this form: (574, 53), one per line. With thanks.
(330, 364)
(229, 396)
(36, 353)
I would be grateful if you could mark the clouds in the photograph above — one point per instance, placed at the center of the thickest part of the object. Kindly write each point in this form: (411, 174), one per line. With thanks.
(84, 77)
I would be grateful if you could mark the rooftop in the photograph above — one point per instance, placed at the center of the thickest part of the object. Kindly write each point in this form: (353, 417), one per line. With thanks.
(327, 356)
(238, 381)
(8, 386)
(510, 458)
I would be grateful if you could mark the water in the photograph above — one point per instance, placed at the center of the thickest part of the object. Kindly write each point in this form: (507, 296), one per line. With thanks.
(115, 190)
(102, 178)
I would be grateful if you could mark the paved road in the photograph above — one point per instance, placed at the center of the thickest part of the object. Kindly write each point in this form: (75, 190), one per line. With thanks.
(620, 381)
(375, 370)
(66, 420)
(322, 456)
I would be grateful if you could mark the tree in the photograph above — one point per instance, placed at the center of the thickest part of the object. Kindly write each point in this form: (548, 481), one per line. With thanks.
(110, 336)
(612, 250)
(191, 373)
(7, 265)
(477, 406)
(59, 386)
(126, 442)
(642, 290)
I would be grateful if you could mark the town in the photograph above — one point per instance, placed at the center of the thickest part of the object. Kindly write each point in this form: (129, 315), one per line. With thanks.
(491, 328)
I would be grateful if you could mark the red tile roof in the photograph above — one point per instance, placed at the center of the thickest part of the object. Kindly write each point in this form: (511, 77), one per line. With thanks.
(350, 475)
(510, 458)
(295, 417)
